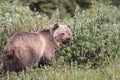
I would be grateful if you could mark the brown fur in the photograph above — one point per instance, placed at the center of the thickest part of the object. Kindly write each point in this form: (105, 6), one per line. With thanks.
(24, 49)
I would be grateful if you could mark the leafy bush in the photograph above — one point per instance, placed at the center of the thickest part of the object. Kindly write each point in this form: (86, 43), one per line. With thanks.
(95, 41)
(96, 38)
(16, 18)
(95, 33)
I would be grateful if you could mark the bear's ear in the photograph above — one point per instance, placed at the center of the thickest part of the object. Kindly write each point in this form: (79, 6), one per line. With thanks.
(69, 26)
(55, 27)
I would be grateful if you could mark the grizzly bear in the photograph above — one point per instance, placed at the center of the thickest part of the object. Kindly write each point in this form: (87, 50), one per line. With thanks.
(24, 49)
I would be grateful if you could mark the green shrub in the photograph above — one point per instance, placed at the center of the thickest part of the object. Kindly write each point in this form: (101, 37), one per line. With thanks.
(95, 34)
(96, 39)
(16, 18)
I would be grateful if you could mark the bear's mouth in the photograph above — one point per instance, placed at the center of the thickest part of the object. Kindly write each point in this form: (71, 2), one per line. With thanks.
(67, 40)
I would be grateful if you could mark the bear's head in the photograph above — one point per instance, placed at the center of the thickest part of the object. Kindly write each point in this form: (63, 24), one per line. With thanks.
(61, 34)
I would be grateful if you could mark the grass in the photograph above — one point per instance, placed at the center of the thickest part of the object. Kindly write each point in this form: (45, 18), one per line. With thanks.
(67, 73)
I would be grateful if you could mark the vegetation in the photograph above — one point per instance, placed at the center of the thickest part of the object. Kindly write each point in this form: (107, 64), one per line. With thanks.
(67, 73)
(93, 52)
